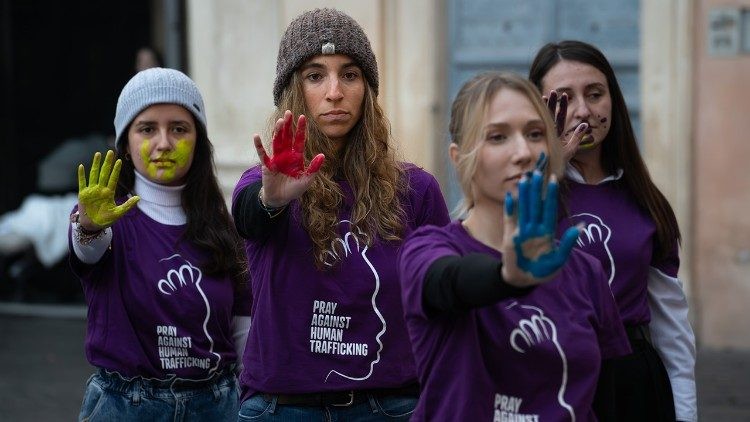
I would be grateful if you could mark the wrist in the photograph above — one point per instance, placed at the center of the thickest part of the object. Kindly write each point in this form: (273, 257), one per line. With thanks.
(269, 205)
(84, 223)
(272, 211)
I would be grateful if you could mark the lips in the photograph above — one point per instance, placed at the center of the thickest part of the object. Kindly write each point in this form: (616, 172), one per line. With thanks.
(335, 115)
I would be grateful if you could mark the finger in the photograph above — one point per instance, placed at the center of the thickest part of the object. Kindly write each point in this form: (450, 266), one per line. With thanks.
(571, 146)
(549, 220)
(315, 164)
(94, 174)
(562, 113)
(283, 141)
(81, 178)
(567, 242)
(276, 142)
(299, 134)
(509, 204)
(106, 168)
(535, 209)
(115, 175)
(552, 102)
(262, 153)
(541, 162)
(523, 205)
(126, 206)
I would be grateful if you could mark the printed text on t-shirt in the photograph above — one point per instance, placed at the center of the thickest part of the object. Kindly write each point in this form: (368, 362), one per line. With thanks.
(506, 410)
(327, 331)
(173, 349)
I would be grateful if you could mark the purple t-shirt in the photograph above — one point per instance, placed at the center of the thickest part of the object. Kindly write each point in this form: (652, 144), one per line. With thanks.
(534, 357)
(152, 311)
(334, 330)
(621, 236)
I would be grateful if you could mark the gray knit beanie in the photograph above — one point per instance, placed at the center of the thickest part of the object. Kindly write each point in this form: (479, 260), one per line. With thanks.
(323, 31)
(156, 86)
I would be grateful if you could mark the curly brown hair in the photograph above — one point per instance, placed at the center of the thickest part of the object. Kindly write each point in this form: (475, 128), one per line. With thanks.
(367, 161)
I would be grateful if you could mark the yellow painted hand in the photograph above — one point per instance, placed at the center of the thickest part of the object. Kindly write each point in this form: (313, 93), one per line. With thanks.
(96, 201)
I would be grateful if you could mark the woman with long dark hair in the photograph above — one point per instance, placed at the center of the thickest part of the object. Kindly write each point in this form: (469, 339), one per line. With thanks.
(629, 226)
(162, 266)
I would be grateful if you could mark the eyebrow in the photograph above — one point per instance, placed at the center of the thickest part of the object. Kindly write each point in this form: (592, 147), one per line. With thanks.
(589, 86)
(153, 122)
(503, 124)
(316, 65)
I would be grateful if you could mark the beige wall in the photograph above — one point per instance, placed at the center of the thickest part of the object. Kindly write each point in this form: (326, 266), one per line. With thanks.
(666, 92)
(232, 50)
(721, 224)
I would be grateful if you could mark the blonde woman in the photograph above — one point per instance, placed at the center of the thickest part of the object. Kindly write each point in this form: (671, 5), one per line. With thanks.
(504, 321)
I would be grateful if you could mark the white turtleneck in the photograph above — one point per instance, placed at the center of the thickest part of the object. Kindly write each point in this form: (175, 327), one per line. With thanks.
(161, 203)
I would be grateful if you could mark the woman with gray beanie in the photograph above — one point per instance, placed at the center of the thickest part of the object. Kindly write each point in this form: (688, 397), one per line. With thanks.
(324, 216)
(161, 264)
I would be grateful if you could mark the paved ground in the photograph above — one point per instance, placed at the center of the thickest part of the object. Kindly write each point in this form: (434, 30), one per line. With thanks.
(43, 369)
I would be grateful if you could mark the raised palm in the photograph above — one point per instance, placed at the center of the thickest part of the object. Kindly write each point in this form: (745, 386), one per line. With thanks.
(96, 200)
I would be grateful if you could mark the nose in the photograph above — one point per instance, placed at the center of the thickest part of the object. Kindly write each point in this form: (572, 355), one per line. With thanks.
(334, 92)
(162, 140)
(580, 110)
(522, 154)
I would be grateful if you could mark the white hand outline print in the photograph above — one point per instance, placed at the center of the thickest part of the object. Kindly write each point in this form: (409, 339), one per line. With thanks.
(593, 233)
(535, 330)
(349, 246)
(188, 274)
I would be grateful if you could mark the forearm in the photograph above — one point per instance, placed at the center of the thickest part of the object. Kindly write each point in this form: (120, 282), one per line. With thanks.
(90, 251)
(252, 220)
(459, 283)
(673, 339)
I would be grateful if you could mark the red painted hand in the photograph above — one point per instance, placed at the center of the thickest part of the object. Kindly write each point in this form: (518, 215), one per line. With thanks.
(288, 150)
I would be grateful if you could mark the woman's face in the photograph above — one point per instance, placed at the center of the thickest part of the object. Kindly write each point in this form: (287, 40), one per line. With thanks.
(589, 99)
(161, 142)
(334, 89)
(514, 135)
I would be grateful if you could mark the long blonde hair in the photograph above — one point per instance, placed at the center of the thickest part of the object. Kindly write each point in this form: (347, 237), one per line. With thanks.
(467, 128)
(367, 161)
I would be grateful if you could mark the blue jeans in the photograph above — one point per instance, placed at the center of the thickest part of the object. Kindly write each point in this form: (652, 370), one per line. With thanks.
(389, 408)
(111, 397)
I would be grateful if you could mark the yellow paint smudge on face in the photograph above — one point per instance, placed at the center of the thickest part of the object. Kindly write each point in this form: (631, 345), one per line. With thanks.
(175, 159)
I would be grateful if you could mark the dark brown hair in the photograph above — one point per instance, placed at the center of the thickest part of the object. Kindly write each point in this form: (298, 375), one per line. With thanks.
(619, 148)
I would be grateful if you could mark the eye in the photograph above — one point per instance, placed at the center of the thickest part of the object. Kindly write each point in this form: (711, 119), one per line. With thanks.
(180, 129)
(595, 95)
(313, 77)
(146, 130)
(496, 137)
(536, 135)
(351, 75)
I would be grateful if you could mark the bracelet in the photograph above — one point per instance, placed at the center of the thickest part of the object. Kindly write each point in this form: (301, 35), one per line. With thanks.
(272, 212)
(84, 237)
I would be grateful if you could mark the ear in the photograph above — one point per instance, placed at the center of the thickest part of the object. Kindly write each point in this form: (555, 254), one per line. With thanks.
(454, 152)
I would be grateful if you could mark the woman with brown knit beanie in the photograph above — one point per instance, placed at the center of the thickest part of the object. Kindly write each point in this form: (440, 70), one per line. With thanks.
(324, 216)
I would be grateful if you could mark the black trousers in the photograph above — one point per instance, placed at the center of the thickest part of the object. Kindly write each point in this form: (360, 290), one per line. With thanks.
(639, 389)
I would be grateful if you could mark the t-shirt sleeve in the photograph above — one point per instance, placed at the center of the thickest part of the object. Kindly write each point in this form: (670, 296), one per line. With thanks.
(613, 341)
(428, 202)
(669, 265)
(418, 253)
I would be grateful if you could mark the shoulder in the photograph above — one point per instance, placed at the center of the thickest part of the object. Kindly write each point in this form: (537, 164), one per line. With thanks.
(585, 267)
(419, 182)
(253, 174)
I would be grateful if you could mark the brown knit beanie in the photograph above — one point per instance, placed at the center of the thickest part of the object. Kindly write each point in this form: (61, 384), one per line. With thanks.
(323, 31)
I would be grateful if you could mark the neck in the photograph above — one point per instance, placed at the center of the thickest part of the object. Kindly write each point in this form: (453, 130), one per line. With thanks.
(485, 223)
(589, 164)
(160, 202)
